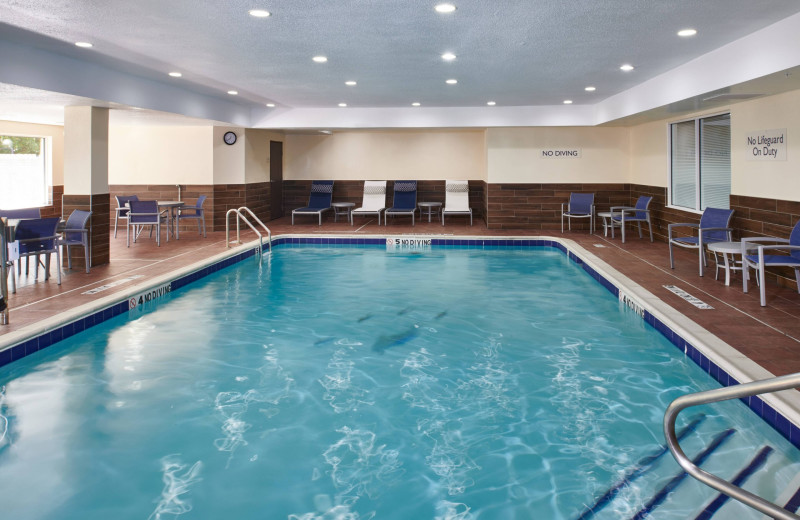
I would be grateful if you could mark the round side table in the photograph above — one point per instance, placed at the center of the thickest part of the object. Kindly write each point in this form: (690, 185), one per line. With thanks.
(343, 209)
(430, 209)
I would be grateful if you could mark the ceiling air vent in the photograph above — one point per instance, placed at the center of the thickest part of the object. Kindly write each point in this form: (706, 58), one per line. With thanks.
(730, 97)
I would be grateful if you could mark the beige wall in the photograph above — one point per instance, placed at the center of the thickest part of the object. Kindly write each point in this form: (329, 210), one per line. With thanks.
(56, 139)
(386, 155)
(515, 155)
(257, 159)
(228, 160)
(768, 179)
(160, 155)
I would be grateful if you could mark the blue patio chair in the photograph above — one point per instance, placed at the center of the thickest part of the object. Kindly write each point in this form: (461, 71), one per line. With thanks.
(621, 215)
(761, 261)
(24, 213)
(318, 202)
(714, 227)
(404, 201)
(76, 233)
(580, 205)
(122, 209)
(145, 213)
(34, 237)
(195, 212)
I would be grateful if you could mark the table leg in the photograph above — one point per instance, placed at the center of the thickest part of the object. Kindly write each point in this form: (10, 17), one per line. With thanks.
(727, 269)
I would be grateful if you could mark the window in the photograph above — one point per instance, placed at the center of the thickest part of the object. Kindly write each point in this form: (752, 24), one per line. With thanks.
(700, 163)
(25, 173)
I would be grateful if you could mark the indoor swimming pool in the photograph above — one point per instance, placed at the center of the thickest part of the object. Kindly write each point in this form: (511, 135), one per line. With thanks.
(359, 382)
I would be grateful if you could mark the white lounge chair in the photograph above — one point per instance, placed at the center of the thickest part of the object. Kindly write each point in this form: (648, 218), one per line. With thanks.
(374, 200)
(456, 199)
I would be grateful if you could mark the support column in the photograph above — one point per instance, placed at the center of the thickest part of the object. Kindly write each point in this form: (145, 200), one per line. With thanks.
(86, 178)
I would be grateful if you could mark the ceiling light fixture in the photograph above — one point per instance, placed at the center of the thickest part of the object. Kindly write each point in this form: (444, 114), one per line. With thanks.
(416, 104)
(85, 45)
(491, 103)
(448, 56)
(271, 105)
(451, 81)
(233, 92)
(685, 33)
(175, 74)
(259, 13)
(445, 8)
(590, 89)
(342, 105)
(350, 83)
(320, 59)
(627, 67)
(567, 101)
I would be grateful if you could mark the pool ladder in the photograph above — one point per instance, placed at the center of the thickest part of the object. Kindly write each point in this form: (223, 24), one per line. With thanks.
(3, 274)
(241, 217)
(765, 386)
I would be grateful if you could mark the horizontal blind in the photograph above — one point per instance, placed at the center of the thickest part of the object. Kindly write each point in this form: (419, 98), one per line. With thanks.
(715, 162)
(683, 174)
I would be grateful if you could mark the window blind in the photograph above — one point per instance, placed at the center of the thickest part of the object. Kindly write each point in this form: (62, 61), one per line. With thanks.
(715, 161)
(684, 160)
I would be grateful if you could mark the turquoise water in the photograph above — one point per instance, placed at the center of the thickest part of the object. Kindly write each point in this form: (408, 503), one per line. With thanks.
(350, 383)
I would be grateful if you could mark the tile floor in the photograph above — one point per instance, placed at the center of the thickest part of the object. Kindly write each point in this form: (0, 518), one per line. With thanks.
(768, 335)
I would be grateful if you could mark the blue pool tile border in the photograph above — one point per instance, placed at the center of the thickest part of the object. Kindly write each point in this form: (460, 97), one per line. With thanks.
(780, 423)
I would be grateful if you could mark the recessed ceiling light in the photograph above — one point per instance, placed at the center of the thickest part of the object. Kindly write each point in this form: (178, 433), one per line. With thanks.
(271, 105)
(491, 103)
(627, 67)
(567, 101)
(342, 105)
(320, 59)
(350, 83)
(451, 81)
(415, 104)
(687, 32)
(590, 89)
(448, 56)
(85, 45)
(233, 92)
(445, 8)
(259, 13)
(175, 74)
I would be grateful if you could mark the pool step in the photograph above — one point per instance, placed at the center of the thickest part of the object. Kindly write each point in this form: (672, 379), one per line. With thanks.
(657, 488)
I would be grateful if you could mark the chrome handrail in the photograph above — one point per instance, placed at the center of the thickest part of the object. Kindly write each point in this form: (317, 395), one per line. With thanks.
(3, 273)
(238, 213)
(774, 384)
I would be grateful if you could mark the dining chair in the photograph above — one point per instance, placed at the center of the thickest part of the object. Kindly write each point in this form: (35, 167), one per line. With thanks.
(714, 226)
(76, 233)
(195, 212)
(145, 213)
(34, 237)
(23, 213)
(122, 208)
(580, 205)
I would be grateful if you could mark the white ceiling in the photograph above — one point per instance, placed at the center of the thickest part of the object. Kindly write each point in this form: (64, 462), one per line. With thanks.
(518, 53)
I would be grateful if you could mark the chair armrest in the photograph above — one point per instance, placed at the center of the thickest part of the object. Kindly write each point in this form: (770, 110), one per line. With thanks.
(620, 208)
(783, 247)
(670, 227)
(716, 229)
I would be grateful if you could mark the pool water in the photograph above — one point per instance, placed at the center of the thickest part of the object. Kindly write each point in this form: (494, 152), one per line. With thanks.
(353, 383)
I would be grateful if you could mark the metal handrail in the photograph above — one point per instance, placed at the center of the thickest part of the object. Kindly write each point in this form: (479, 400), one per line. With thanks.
(765, 386)
(3, 273)
(238, 213)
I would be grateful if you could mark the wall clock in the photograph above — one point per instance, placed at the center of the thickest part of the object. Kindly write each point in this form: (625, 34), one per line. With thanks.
(229, 137)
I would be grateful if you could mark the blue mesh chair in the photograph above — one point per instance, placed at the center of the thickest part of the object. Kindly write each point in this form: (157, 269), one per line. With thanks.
(621, 215)
(404, 202)
(24, 213)
(580, 205)
(145, 213)
(122, 209)
(318, 202)
(761, 261)
(76, 233)
(714, 227)
(34, 237)
(195, 212)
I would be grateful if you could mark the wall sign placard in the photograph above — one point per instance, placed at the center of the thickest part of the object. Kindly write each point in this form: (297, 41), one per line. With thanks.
(767, 145)
(560, 153)
(393, 243)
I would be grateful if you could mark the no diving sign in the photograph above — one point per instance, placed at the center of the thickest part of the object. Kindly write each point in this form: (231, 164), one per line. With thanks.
(148, 296)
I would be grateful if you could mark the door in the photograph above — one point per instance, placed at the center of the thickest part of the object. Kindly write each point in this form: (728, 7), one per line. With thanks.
(276, 179)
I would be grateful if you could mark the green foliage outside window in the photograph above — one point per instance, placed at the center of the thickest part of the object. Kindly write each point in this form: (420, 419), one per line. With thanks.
(20, 145)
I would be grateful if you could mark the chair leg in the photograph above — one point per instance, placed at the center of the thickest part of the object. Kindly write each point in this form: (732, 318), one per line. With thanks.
(640, 229)
(650, 226)
(69, 258)
(58, 265)
(763, 288)
(88, 257)
(622, 226)
(671, 259)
